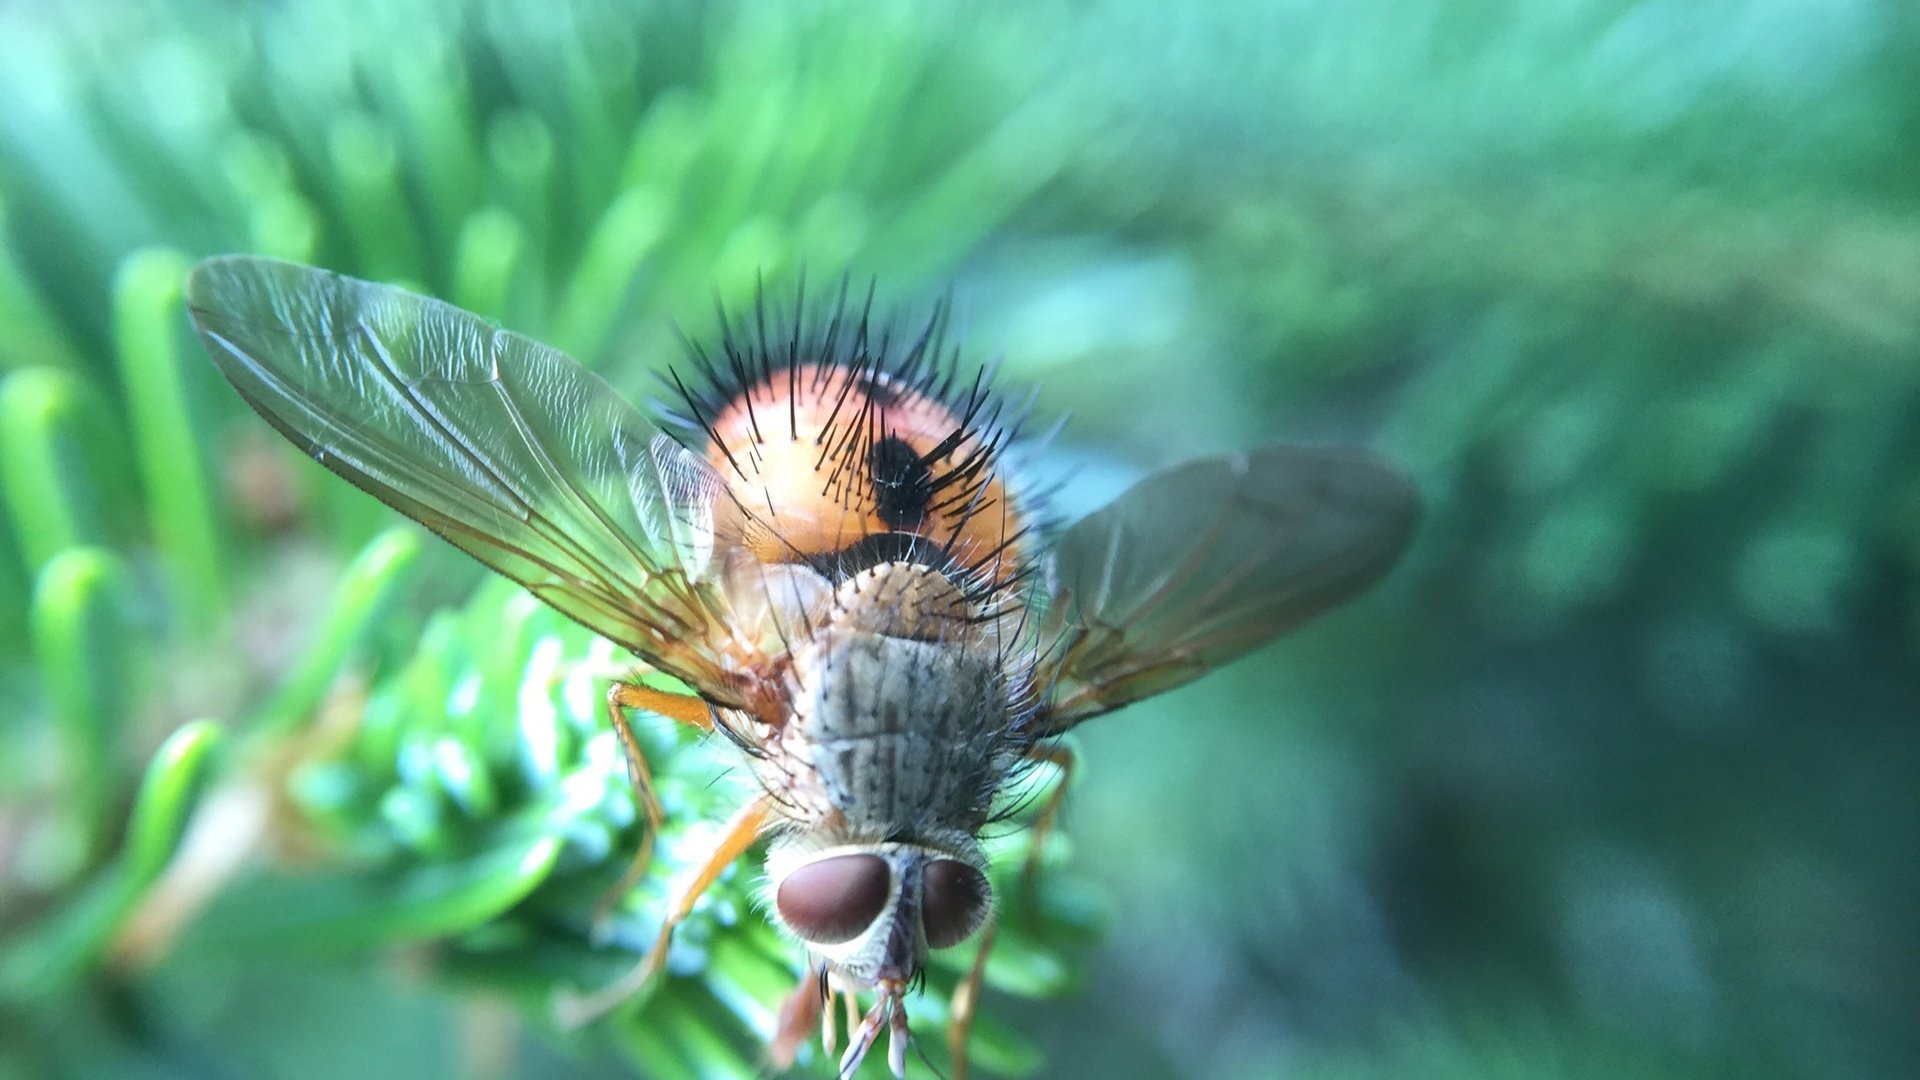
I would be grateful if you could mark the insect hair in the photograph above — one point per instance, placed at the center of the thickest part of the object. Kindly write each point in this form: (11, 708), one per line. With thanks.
(794, 346)
(977, 525)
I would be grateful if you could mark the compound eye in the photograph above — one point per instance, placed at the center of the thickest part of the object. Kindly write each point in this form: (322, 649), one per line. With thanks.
(834, 899)
(954, 902)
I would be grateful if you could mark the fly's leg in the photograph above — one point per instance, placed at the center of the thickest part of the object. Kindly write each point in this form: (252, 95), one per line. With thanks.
(966, 999)
(685, 708)
(852, 1002)
(889, 1012)
(803, 1008)
(573, 1010)
(966, 996)
(1063, 759)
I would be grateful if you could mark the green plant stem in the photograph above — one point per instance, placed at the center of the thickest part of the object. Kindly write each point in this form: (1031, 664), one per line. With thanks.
(280, 221)
(520, 147)
(80, 628)
(30, 333)
(49, 960)
(486, 261)
(366, 164)
(180, 498)
(365, 590)
(625, 236)
(428, 93)
(53, 496)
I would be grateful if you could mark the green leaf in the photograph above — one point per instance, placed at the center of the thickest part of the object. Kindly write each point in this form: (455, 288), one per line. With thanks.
(167, 797)
(148, 331)
(365, 591)
(56, 499)
(49, 959)
(30, 332)
(356, 910)
(81, 613)
(366, 164)
(486, 262)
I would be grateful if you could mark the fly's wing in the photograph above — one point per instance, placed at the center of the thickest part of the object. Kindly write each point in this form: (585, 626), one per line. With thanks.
(509, 449)
(1202, 562)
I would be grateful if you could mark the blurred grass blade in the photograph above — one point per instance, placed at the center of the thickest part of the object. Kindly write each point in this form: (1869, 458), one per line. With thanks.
(485, 262)
(81, 611)
(48, 959)
(30, 331)
(167, 797)
(356, 910)
(622, 240)
(56, 499)
(365, 590)
(148, 330)
(366, 164)
(279, 221)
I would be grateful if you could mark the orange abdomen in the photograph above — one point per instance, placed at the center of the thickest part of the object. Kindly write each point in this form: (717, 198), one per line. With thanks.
(820, 457)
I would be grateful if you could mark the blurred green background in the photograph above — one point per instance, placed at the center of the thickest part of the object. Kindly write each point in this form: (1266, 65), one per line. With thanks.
(1615, 776)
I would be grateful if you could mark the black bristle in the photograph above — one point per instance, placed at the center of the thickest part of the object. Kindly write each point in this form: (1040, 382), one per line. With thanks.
(793, 355)
(693, 405)
(842, 331)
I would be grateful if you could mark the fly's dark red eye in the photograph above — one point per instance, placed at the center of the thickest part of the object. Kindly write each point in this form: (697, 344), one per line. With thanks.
(954, 902)
(834, 899)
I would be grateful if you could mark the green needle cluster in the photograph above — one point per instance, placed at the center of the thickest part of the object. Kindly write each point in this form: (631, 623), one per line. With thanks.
(1613, 775)
(416, 761)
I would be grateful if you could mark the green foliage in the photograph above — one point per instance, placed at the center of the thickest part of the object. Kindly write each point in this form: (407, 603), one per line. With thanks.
(444, 765)
(1613, 778)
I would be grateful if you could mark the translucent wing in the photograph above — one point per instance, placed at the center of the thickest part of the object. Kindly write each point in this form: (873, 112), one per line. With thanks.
(1204, 561)
(509, 449)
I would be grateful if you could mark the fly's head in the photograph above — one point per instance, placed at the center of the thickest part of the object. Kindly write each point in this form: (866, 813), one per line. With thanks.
(870, 912)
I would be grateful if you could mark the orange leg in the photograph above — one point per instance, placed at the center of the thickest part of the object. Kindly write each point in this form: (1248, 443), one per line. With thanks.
(800, 1012)
(1062, 758)
(966, 996)
(685, 708)
(738, 836)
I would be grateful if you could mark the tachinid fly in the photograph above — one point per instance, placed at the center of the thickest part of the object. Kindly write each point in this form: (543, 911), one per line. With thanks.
(822, 539)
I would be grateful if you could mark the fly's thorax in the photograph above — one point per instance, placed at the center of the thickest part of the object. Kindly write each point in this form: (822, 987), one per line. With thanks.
(906, 705)
(873, 909)
(789, 604)
(910, 601)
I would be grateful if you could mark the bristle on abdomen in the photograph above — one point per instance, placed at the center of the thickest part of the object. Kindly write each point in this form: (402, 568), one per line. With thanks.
(844, 448)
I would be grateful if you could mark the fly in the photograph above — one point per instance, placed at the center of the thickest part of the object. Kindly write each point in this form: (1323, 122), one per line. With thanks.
(823, 541)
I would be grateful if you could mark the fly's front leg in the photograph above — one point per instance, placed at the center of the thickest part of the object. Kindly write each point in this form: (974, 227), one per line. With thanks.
(889, 1012)
(684, 708)
(852, 1002)
(798, 1014)
(574, 1010)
